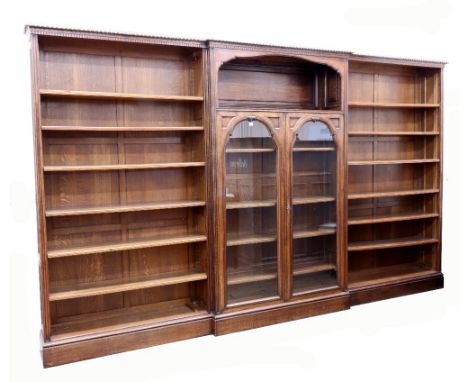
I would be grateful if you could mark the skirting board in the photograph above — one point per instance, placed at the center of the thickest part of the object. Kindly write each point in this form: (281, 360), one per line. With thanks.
(251, 319)
(385, 291)
(55, 354)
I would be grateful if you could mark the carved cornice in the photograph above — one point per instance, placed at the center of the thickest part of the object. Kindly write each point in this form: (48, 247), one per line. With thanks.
(218, 44)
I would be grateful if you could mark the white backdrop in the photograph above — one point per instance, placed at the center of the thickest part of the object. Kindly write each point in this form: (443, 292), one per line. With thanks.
(415, 337)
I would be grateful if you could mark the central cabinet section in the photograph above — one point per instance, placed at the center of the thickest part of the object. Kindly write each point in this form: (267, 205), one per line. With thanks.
(277, 206)
(279, 141)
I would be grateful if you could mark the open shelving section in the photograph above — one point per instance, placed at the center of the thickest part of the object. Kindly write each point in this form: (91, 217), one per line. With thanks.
(124, 185)
(394, 156)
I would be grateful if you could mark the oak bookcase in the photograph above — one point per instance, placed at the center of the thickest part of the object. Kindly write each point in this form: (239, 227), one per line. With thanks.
(187, 188)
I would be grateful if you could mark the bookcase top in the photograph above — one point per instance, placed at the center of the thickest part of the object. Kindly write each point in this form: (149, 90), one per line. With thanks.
(214, 43)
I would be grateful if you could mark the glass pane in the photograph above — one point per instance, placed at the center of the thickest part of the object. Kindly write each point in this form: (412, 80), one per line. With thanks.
(251, 247)
(314, 208)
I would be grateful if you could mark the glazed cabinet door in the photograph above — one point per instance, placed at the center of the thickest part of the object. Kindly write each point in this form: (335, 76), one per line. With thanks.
(249, 195)
(313, 207)
(279, 206)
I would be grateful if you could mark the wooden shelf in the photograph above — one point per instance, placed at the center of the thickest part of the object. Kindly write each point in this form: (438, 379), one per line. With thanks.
(274, 175)
(250, 204)
(313, 149)
(269, 272)
(116, 286)
(393, 105)
(124, 246)
(382, 275)
(124, 208)
(368, 195)
(250, 150)
(391, 161)
(122, 128)
(311, 267)
(391, 133)
(313, 200)
(116, 320)
(389, 243)
(391, 218)
(313, 233)
(118, 96)
(250, 239)
(311, 173)
(252, 293)
(253, 274)
(112, 167)
(322, 282)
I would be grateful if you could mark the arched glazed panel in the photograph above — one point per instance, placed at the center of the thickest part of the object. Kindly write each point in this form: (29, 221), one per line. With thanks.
(314, 244)
(251, 213)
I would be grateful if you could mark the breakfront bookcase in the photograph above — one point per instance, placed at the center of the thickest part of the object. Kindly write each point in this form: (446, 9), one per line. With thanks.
(187, 188)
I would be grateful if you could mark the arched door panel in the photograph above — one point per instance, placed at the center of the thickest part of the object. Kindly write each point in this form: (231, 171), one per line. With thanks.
(314, 213)
(251, 194)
